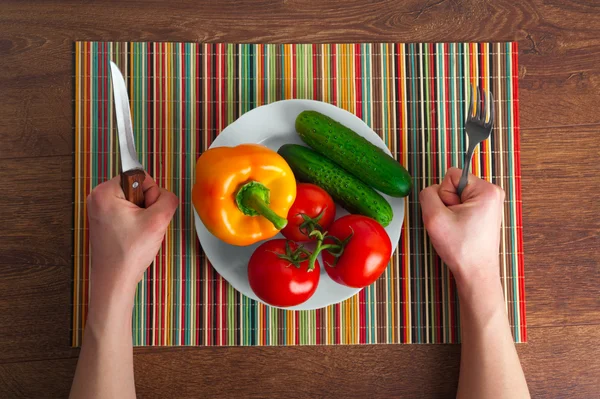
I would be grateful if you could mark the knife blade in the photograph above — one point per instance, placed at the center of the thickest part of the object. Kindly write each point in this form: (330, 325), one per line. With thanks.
(132, 171)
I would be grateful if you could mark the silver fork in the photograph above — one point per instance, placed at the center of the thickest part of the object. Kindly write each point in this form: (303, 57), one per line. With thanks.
(478, 127)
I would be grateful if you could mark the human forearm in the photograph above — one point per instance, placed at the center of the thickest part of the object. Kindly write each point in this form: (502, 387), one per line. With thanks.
(465, 231)
(490, 366)
(124, 240)
(105, 367)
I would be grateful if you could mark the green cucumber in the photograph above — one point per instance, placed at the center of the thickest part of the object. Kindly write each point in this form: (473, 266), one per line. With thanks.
(351, 193)
(354, 153)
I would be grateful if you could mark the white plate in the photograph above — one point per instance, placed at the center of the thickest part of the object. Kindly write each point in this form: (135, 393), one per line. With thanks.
(273, 125)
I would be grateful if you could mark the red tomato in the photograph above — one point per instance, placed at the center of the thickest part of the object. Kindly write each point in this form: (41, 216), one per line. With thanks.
(311, 201)
(279, 274)
(365, 255)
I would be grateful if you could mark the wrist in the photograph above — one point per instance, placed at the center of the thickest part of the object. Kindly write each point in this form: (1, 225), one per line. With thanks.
(480, 290)
(110, 303)
(476, 278)
(106, 314)
(110, 280)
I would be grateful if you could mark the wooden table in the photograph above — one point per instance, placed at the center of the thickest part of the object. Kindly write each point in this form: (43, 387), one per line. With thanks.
(559, 73)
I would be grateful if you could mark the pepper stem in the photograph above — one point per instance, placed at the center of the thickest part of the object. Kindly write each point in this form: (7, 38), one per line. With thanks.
(253, 200)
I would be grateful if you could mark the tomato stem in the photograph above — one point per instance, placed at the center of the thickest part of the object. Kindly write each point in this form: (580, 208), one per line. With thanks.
(294, 257)
(309, 224)
(320, 236)
(336, 249)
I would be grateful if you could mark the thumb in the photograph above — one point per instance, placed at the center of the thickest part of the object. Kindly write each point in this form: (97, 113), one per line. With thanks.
(151, 190)
(449, 187)
(432, 205)
(158, 215)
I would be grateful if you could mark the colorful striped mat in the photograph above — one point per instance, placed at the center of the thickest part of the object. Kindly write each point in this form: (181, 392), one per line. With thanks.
(183, 94)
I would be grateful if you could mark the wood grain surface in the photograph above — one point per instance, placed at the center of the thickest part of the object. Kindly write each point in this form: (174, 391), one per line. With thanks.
(559, 69)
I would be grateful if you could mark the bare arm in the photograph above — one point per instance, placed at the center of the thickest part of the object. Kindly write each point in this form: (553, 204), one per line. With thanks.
(124, 240)
(105, 366)
(466, 234)
(489, 365)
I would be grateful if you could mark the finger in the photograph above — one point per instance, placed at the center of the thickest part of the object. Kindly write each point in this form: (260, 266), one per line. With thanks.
(110, 187)
(151, 191)
(449, 188)
(159, 214)
(148, 182)
(432, 205)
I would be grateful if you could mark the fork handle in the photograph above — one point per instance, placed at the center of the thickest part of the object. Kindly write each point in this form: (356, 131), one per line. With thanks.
(464, 178)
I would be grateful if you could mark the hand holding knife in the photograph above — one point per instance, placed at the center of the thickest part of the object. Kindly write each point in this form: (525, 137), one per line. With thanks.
(124, 241)
(132, 171)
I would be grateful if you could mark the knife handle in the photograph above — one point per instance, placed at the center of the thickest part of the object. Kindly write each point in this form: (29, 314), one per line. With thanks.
(131, 183)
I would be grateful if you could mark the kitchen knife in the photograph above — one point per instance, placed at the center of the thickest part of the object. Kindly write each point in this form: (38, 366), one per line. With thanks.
(132, 172)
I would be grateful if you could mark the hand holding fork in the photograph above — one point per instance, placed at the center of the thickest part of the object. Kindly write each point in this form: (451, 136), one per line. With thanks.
(480, 121)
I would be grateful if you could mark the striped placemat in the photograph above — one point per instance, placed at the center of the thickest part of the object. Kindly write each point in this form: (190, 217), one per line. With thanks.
(183, 94)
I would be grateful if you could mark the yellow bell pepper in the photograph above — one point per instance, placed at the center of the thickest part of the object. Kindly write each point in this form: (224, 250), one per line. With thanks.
(243, 193)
